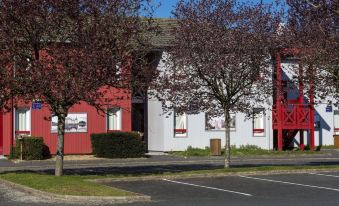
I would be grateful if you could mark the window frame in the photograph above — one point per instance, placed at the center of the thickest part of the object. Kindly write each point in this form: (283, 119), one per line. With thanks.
(119, 119)
(69, 132)
(28, 124)
(262, 131)
(179, 135)
(335, 129)
(232, 129)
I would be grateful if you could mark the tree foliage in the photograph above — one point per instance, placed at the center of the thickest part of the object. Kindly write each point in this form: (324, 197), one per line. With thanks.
(6, 88)
(70, 51)
(313, 27)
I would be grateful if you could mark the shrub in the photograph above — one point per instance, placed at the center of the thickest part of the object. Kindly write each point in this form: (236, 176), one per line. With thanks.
(249, 150)
(191, 151)
(33, 148)
(46, 153)
(325, 147)
(12, 154)
(118, 145)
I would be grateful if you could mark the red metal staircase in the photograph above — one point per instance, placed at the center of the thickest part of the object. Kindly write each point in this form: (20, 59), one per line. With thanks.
(290, 116)
(289, 137)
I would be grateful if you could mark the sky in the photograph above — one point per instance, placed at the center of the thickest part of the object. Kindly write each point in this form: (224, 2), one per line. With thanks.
(166, 6)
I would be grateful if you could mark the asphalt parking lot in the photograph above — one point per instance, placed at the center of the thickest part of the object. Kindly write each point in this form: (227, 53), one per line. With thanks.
(311, 189)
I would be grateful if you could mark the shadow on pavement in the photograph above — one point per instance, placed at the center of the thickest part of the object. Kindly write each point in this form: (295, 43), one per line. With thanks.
(163, 169)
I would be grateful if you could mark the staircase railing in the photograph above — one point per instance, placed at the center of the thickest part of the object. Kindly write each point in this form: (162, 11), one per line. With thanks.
(292, 115)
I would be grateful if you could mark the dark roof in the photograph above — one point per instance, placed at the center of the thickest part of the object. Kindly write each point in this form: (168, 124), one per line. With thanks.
(165, 35)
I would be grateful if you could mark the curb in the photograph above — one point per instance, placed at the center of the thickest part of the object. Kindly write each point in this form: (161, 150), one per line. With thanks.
(72, 199)
(210, 175)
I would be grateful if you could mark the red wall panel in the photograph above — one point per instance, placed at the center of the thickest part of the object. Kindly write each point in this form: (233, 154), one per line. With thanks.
(1, 134)
(6, 130)
(75, 143)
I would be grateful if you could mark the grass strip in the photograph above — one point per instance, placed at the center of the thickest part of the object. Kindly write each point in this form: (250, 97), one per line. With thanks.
(65, 185)
(248, 150)
(232, 170)
(263, 169)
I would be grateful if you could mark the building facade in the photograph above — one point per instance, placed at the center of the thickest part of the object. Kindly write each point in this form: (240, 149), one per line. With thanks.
(170, 132)
(35, 119)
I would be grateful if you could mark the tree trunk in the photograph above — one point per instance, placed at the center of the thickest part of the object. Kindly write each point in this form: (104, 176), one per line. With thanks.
(227, 139)
(59, 165)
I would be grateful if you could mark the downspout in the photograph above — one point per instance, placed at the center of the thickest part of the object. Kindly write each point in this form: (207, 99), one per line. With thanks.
(146, 120)
(12, 110)
(12, 123)
(279, 99)
(270, 129)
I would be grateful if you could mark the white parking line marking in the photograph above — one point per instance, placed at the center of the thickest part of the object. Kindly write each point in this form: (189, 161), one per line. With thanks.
(206, 187)
(324, 175)
(291, 183)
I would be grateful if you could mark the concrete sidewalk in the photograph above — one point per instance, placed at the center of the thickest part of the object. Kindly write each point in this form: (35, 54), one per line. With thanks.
(168, 163)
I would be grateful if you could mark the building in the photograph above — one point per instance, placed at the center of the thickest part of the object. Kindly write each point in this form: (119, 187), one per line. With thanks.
(293, 120)
(35, 119)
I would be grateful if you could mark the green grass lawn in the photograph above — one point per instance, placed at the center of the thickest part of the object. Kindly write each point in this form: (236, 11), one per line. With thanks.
(248, 150)
(261, 169)
(232, 170)
(327, 147)
(65, 185)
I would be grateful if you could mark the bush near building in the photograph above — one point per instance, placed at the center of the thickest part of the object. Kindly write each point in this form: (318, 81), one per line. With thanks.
(246, 150)
(32, 148)
(118, 145)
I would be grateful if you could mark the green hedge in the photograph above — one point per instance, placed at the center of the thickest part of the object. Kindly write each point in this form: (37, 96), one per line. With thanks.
(33, 148)
(118, 145)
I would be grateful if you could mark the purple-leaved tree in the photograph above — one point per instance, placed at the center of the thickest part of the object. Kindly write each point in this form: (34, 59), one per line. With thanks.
(220, 59)
(313, 27)
(68, 51)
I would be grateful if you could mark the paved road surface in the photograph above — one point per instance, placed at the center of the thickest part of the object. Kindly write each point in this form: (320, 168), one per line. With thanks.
(269, 190)
(311, 189)
(160, 164)
(294, 189)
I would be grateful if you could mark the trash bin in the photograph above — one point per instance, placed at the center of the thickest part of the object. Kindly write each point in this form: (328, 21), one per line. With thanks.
(215, 147)
(336, 141)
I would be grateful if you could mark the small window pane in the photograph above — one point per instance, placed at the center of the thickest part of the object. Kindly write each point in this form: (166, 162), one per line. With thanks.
(180, 127)
(21, 120)
(258, 123)
(218, 123)
(114, 119)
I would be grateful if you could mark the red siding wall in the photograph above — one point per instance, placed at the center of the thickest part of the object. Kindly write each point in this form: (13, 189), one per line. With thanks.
(6, 133)
(75, 143)
(1, 133)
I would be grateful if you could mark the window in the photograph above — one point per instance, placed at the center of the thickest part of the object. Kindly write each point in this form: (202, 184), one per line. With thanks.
(258, 122)
(22, 121)
(74, 123)
(336, 122)
(180, 125)
(114, 119)
(218, 123)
